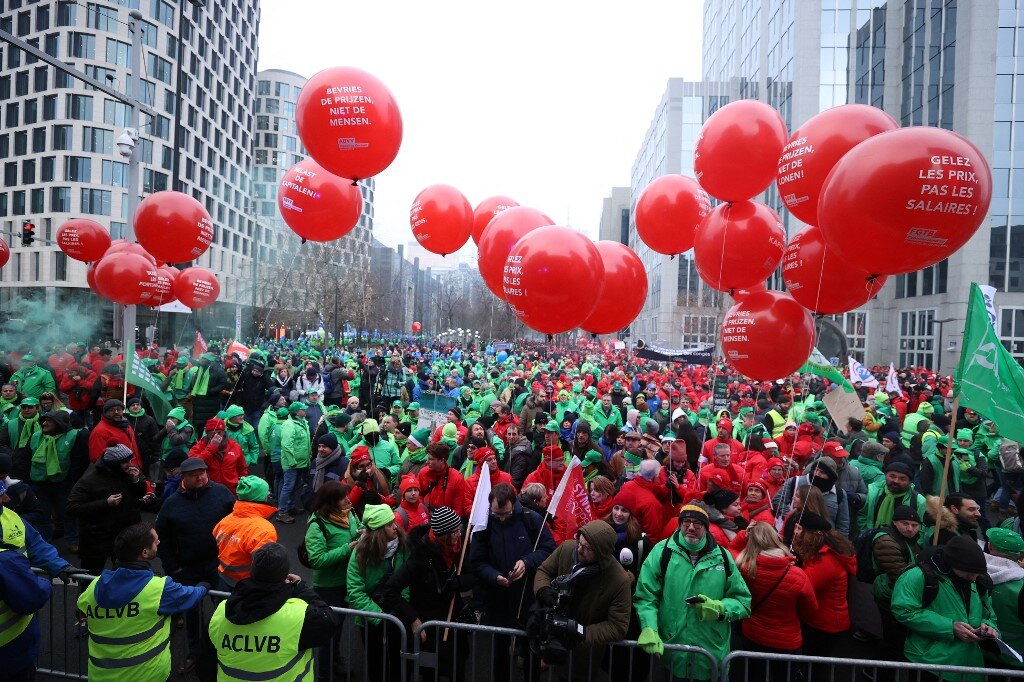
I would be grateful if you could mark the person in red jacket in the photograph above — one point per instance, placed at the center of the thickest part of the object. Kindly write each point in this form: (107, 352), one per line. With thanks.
(757, 504)
(113, 429)
(829, 560)
(440, 484)
(454, 417)
(725, 512)
(225, 463)
(504, 419)
(679, 478)
(550, 470)
(646, 497)
(773, 476)
(720, 473)
(486, 460)
(411, 511)
(781, 597)
(724, 436)
(787, 439)
(77, 383)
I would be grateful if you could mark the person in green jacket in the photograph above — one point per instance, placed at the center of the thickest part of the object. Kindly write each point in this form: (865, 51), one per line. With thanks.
(606, 414)
(945, 631)
(271, 430)
(689, 563)
(240, 431)
(385, 453)
(379, 553)
(924, 412)
(1005, 552)
(869, 463)
(295, 452)
(32, 380)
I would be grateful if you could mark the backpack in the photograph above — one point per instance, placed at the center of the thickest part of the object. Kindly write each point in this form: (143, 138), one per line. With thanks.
(864, 546)
(301, 549)
(666, 556)
(328, 382)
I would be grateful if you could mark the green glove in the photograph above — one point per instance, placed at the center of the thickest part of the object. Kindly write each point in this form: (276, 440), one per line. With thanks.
(710, 609)
(650, 642)
(964, 465)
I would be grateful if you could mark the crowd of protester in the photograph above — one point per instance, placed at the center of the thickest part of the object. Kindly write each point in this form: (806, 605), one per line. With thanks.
(725, 514)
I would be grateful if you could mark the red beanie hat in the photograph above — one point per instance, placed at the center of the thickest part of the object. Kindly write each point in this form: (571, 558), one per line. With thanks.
(359, 455)
(480, 455)
(408, 481)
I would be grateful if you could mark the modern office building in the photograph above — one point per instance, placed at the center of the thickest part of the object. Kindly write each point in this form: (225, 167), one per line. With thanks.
(955, 65)
(57, 140)
(615, 216)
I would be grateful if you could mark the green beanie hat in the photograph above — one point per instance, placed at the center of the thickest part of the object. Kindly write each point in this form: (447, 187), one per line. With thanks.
(177, 413)
(449, 430)
(222, 415)
(420, 438)
(964, 434)
(252, 489)
(881, 399)
(1006, 541)
(377, 516)
(296, 406)
(233, 411)
(281, 412)
(926, 408)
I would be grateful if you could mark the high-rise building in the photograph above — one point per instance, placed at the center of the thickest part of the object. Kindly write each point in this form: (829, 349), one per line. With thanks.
(615, 216)
(283, 264)
(955, 65)
(57, 141)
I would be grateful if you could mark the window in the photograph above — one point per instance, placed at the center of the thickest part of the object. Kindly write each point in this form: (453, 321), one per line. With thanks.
(31, 111)
(51, 45)
(153, 181)
(3, 204)
(100, 73)
(116, 113)
(263, 88)
(21, 84)
(95, 201)
(77, 169)
(117, 230)
(60, 266)
(62, 137)
(148, 92)
(38, 140)
(28, 171)
(47, 164)
(10, 174)
(102, 18)
(42, 17)
(115, 174)
(60, 200)
(78, 107)
(67, 13)
(158, 67)
(12, 114)
(5, 146)
(163, 12)
(81, 45)
(49, 107)
(149, 32)
(18, 203)
(5, 87)
(118, 53)
(98, 140)
(917, 338)
(38, 200)
(41, 79)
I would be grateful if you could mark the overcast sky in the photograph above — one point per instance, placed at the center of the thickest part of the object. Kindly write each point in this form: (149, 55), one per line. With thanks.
(546, 102)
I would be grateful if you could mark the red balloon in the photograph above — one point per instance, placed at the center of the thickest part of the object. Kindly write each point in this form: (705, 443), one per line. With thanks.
(83, 239)
(173, 226)
(500, 235)
(160, 289)
(739, 245)
(820, 281)
(740, 294)
(196, 287)
(668, 213)
(623, 290)
(767, 335)
(910, 197)
(124, 277)
(349, 122)
(318, 206)
(550, 278)
(417, 327)
(485, 212)
(441, 219)
(815, 148)
(90, 276)
(122, 246)
(5, 253)
(737, 152)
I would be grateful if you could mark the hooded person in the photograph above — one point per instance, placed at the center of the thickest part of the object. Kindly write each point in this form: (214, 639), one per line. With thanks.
(207, 385)
(240, 431)
(146, 432)
(368, 485)
(330, 463)
(175, 433)
(646, 497)
(411, 511)
(823, 474)
(32, 380)
(1003, 563)
(244, 531)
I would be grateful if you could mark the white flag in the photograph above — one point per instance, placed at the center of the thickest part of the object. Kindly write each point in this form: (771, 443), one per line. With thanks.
(892, 383)
(560, 490)
(989, 293)
(481, 510)
(859, 372)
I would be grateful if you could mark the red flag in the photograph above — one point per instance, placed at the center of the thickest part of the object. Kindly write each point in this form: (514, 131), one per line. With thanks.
(574, 505)
(199, 347)
(236, 347)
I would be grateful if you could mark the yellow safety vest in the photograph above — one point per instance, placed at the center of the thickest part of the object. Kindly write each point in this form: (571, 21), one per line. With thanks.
(264, 651)
(12, 623)
(132, 642)
(778, 423)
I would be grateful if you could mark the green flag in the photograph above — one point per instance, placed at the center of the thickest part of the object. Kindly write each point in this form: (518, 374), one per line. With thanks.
(819, 364)
(137, 374)
(988, 380)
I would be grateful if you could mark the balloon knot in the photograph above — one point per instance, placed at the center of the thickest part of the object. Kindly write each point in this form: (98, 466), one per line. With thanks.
(303, 240)
(355, 181)
(550, 338)
(873, 278)
(672, 257)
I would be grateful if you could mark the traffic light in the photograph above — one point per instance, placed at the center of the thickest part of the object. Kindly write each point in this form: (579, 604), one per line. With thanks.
(28, 234)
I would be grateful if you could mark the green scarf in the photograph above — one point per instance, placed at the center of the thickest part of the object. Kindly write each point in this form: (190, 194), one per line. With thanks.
(633, 459)
(46, 454)
(887, 507)
(695, 547)
(28, 427)
(136, 415)
(6, 405)
(418, 456)
(202, 382)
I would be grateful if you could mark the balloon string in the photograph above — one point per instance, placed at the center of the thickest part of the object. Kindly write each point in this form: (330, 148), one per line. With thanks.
(817, 295)
(725, 239)
(280, 290)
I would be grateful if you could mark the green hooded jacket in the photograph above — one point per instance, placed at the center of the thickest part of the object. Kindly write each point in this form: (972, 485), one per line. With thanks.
(360, 584)
(329, 549)
(295, 443)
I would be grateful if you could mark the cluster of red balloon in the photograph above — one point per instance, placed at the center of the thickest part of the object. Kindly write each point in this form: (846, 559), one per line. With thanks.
(170, 227)
(350, 124)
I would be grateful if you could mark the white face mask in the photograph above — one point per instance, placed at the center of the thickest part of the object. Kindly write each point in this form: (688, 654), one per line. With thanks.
(392, 548)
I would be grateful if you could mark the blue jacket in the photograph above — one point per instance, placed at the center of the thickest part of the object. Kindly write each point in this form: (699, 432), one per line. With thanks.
(185, 526)
(24, 592)
(41, 554)
(117, 587)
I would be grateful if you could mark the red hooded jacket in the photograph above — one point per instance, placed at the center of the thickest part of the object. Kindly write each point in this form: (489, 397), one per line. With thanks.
(783, 601)
(222, 466)
(829, 574)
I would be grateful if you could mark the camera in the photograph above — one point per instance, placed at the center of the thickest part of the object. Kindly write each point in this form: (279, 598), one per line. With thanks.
(552, 631)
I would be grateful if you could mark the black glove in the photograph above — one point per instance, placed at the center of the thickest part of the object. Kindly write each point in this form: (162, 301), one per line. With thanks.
(547, 597)
(204, 584)
(68, 573)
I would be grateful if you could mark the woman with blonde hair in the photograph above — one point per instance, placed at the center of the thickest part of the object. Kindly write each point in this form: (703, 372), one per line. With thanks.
(781, 596)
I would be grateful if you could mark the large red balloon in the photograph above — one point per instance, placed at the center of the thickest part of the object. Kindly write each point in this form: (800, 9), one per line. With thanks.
(623, 289)
(441, 219)
(173, 226)
(767, 335)
(349, 122)
(815, 148)
(821, 282)
(905, 199)
(500, 235)
(737, 153)
(90, 276)
(551, 277)
(317, 205)
(485, 212)
(83, 239)
(196, 287)
(668, 213)
(738, 245)
(5, 253)
(124, 277)
(160, 288)
(417, 327)
(124, 246)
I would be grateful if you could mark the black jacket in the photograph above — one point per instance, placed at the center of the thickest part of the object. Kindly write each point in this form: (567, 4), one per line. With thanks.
(146, 437)
(98, 522)
(253, 390)
(253, 600)
(185, 526)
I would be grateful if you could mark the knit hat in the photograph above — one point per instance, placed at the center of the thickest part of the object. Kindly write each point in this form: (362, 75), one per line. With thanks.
(443, 521)
(116, 454)
(881, 398)
(270, 563)
(457, 412)
(377, 516)
(480, 455)
(108, 405)
(1006, 541)
(721, 498)
(695, 512)
(553, 452)
(177, 413)
(252, 489)
(760, 486)
(295, 407)
(677, 413)
(420, 438)
(328, 439)
(964, 434)
(215, 425)
(769, 444)
(408, 482)
(724, 424)
(359, 454)
(233, 411)
(449, 431)
(370, 426)
(891, 436)
(808, 520)
(905, 512)
(175, 457)
(900, 467)
(964, 554)
(281, 412)
(775, 462)
(339, 420)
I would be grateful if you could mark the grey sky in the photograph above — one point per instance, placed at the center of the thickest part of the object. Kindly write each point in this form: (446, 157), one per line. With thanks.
(545, 102)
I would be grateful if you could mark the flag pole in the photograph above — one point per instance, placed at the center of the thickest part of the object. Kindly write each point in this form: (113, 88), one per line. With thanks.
(945, 466)
(458, 572)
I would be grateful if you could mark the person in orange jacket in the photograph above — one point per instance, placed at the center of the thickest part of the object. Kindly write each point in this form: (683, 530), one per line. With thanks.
(243, 531)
